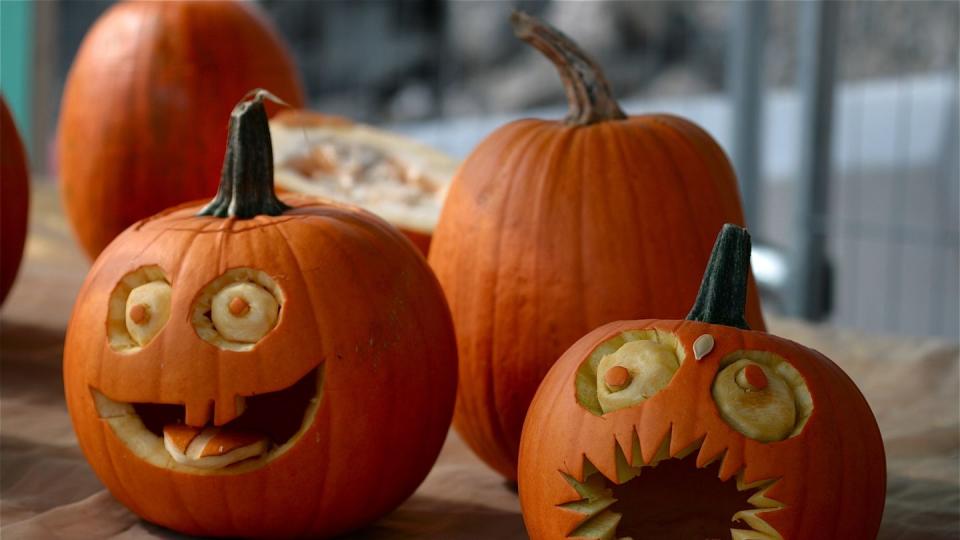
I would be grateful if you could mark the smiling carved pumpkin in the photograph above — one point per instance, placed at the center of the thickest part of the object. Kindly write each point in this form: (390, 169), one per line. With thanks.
(700, 428)
(259, 367)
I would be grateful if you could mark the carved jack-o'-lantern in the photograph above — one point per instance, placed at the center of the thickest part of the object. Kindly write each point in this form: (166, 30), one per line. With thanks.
(260, 367)
(700, 428)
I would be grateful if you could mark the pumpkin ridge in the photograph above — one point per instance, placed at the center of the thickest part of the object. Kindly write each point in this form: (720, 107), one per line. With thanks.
(494, 421)
(546, 180)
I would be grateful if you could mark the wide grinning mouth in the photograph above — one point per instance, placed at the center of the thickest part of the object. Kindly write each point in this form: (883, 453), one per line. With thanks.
(670, 498)
(269, 424)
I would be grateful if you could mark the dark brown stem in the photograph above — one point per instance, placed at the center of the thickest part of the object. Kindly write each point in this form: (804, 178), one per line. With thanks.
(246, 181)
(588, 92)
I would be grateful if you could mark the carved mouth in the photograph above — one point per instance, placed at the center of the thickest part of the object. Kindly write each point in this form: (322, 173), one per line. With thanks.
(670, 497)
(270, 424)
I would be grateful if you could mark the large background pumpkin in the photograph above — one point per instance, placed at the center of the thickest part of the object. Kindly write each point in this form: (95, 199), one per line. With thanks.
(141, 121)
(553, 228)
(700, 428)
(258, 367)
(14, 199)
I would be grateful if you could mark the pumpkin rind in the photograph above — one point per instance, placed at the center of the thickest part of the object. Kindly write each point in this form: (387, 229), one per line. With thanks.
(551, 229)
(142, 116)
(14, 199)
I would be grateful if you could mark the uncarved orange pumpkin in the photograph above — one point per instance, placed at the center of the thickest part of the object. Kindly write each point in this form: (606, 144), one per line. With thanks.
(738, 433)
(14, 199)
(141, 121)
(260, 367)
(553, 228)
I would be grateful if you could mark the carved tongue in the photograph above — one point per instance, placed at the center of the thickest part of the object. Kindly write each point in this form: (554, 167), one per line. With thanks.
(212, 447)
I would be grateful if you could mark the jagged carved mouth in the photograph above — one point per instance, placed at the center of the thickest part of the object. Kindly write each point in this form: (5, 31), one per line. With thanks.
(670, 498)
(269, 425)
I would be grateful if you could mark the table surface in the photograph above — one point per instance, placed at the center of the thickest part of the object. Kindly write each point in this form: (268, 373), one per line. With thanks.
(48, 491)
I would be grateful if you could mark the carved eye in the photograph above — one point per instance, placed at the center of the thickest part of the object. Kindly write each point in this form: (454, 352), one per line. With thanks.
(139, 308)
(244, 312)
(238, 309)
(761, 396)
(634, 373)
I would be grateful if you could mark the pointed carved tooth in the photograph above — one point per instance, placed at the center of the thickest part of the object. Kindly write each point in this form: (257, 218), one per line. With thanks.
(663, 452)
(702, 346)
(625, 471)
(761, 529)
(690, 449)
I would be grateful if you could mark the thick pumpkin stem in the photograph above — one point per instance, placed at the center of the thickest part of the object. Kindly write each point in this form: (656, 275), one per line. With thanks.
(588, 92)
(723, 292)
(246, 181)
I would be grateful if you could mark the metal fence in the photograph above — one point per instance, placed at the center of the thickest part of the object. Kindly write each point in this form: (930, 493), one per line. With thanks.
(866, 217)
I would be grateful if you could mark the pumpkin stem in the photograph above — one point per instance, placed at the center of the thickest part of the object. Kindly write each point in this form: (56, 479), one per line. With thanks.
(723, 292)
(246, 181)
(588, 93)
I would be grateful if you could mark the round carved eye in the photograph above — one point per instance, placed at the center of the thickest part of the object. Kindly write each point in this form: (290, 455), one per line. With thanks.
(244, 312)
(761, 397)
(139, 308)
(634, 373)
(147, 310)
(238, 309)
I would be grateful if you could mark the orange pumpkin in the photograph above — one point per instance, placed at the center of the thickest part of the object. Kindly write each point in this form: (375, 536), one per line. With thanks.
(14, 199)
(143, 107)
(257, 367)
(553, 228)
(700, 428)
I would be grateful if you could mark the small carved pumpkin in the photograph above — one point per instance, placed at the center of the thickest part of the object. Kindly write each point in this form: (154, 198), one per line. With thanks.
(553, 228)
(14, 199)
(143, 106)
(259, 367)
(700, 428)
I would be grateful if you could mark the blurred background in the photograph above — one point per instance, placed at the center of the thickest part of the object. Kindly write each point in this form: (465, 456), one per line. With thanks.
(841, 118)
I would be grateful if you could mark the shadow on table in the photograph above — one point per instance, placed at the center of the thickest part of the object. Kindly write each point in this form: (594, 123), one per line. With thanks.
(919, 509)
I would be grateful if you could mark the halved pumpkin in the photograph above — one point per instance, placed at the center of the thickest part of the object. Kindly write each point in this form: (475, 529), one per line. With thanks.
(399, 179)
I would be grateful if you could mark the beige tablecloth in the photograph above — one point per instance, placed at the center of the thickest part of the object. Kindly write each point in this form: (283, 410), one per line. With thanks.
(47, 491)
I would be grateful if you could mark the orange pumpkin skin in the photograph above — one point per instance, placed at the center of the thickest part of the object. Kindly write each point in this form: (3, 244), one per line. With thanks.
(832, 474)
(141, 123)
(550, 230)
(14, 199)
(360, 304)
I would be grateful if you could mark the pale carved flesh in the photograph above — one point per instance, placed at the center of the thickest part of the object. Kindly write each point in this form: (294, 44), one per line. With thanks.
(757, 393)
(398, 179)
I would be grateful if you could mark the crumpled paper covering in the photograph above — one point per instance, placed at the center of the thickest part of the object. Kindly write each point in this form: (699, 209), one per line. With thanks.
(47, 490)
